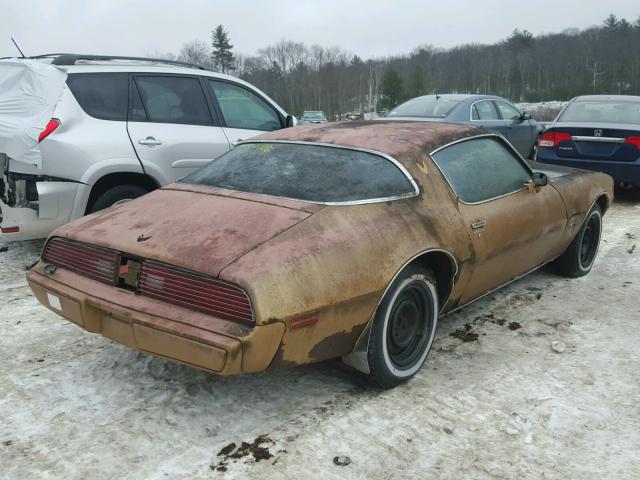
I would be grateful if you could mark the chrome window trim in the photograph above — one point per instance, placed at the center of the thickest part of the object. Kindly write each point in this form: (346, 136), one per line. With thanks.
(502, 140)
(403, 170)
(480, 120)
(579, 138)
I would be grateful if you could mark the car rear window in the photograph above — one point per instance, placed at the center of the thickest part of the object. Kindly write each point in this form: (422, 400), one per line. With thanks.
(425, 107)
(306, 172)
(601, 111)
(101, 95)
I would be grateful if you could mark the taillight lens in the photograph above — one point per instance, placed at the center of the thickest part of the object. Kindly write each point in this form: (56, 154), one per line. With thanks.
(633, 140)
(93, 262)
(49, 129)
(195, 292)
(552, 139)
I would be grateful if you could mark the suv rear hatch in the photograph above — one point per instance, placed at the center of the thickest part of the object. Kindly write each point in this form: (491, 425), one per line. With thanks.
(29, 92)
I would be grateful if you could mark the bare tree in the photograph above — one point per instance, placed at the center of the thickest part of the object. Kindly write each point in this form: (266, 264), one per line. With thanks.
(197, 52)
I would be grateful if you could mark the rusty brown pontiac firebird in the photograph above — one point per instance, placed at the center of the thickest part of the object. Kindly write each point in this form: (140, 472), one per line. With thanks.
(344, 240)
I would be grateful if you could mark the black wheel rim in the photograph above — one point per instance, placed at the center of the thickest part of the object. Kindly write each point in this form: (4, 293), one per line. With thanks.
(590, 240)
(409, 326)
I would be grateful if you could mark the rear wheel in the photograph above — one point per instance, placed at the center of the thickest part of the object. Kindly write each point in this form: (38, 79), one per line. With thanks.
(403, 328)
(579, 256)
(116, 195)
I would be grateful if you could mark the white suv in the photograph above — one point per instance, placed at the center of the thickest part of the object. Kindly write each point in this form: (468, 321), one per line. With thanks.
(123, 127)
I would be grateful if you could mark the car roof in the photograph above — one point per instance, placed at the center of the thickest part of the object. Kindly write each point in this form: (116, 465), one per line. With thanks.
(398, 139)
(624, 98)
(458, 96)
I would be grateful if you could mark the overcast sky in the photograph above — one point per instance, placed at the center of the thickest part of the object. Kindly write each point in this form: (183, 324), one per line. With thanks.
(368, 28)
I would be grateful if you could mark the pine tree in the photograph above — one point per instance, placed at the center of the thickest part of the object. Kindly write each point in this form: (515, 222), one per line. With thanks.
(611, 22)
(391, 88)
(221, 56)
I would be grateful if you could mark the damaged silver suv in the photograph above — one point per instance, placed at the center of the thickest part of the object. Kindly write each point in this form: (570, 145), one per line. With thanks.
(80, 133)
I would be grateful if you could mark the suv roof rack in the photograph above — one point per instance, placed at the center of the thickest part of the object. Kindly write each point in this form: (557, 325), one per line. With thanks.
(72, 58)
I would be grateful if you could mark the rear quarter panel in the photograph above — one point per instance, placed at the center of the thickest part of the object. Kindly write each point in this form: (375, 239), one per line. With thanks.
(579, 189)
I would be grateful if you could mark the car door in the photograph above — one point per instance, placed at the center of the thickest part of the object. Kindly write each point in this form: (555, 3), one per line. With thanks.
(171, 125)
(513, 229)
(516, 129)
(244, 113)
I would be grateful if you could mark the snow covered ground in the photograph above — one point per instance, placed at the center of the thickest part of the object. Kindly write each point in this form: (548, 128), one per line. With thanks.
(548, 389)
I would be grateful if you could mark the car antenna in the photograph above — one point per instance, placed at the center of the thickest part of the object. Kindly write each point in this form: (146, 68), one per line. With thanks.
(14, 42)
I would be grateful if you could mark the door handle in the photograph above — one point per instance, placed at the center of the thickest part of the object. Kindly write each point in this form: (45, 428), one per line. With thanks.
(149, 141)
(479, 224)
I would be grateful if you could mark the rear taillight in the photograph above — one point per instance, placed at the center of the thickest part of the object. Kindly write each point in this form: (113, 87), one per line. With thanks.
(633, 140)
(195, 292)
(49, 129)
(552, 139)
(93, 262)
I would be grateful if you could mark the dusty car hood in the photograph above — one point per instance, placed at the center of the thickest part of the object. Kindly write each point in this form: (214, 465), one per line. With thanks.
(197, 228)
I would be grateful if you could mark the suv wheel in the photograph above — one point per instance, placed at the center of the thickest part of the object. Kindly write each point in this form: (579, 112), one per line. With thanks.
(117, 195)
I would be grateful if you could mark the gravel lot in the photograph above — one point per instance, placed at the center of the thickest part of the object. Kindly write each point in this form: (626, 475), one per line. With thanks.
(549, 388)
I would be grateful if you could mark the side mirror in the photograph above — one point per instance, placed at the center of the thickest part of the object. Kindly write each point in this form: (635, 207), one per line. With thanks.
(291, 121)
(525, 116)
(539, 179)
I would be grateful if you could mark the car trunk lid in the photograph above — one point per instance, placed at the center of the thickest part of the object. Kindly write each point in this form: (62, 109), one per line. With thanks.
(197, 228)
(593, 141)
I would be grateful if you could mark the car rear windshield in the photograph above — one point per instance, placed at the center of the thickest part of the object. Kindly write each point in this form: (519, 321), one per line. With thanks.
(425, 107)
(307, 172)
(602, 111)
(313, 115)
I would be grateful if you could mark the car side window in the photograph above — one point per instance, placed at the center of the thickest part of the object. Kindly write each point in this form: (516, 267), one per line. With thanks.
(485, 110)
(244, 109)
(481, 169)
(101, 95)
(172, 99)
(507, 111)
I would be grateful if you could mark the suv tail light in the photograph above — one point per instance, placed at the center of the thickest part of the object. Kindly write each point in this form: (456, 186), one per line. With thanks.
(552, 139)
(633, 140)
(48, 130)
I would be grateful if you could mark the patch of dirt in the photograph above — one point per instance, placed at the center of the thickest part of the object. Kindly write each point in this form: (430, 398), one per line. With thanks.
(465, 334)
(255, 450)
(514, 326)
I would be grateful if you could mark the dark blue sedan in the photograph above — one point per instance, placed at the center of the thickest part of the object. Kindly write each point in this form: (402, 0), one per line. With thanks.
(486, 111)
(597, 132)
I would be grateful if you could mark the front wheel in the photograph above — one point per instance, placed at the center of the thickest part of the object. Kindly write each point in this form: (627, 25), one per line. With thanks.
(579, 256)
(403, 328)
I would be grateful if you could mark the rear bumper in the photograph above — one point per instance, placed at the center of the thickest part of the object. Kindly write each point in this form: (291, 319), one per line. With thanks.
(36, 219)
(620, 171)
(151, 326)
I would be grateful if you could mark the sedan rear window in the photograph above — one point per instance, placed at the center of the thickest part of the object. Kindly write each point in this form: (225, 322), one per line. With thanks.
(425, 107)
(602, 112)
(307, 172)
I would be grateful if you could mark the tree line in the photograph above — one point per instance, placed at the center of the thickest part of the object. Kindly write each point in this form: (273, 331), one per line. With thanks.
(523, 68)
